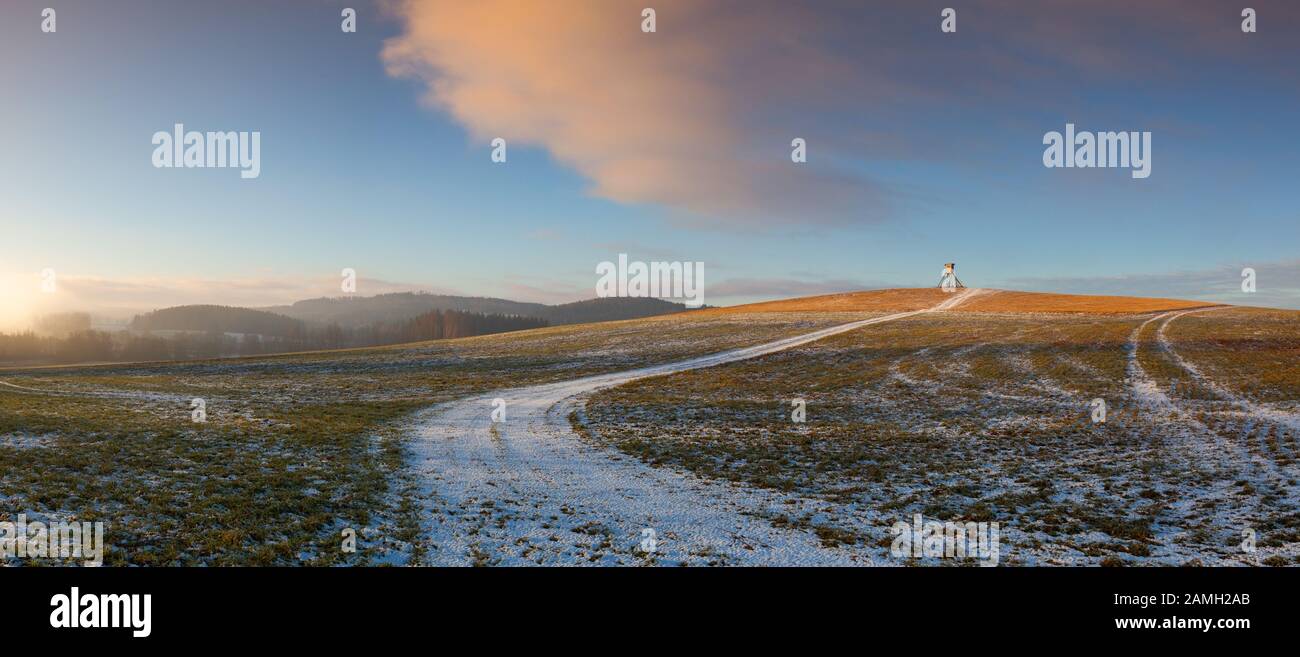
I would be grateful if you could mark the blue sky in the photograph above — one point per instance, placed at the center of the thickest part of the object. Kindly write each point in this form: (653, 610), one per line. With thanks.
(923, 148)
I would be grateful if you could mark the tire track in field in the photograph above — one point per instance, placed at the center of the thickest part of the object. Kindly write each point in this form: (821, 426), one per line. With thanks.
(1250, 408)
(1217, 499)
(96, 394)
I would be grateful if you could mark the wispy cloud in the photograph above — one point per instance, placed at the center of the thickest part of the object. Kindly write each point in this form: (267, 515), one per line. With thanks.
(751, 289)
(1277, 284)
(546, 234)
(644, 251)
(535, 290)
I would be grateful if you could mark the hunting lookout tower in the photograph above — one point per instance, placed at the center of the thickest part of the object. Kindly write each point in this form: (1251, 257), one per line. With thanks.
(949, 280)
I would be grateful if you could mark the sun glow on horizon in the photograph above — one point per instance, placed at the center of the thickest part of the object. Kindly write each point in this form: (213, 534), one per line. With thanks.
(19, 300)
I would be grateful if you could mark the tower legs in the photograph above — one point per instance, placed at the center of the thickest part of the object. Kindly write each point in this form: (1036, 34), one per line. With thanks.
(956, 282)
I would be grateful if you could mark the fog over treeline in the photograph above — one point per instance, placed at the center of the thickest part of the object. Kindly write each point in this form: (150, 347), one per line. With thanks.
(216, 331)
(210, 331)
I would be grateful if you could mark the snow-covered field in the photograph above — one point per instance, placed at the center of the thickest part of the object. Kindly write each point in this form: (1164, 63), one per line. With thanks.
(987, 417)
(295, 449)
(670, 441)
(525, 489)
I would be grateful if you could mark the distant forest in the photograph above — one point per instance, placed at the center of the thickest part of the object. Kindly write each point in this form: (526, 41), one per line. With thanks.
(355, 312)
(221, 319)
(207, 331)
(193, 332)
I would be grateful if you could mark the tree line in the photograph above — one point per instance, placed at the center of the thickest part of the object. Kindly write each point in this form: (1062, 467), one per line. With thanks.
(143, 343)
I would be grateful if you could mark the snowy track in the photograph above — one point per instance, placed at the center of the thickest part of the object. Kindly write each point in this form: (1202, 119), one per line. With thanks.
(97, 394)
(1192, 446)
(529, 490)
(1251, 409)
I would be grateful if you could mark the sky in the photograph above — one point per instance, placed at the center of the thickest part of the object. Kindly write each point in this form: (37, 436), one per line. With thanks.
(923, 147)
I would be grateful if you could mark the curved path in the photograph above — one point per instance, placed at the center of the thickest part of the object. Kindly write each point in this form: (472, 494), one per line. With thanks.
(529, 490)
(100, 394)
(1251, 409)
(1211, 497)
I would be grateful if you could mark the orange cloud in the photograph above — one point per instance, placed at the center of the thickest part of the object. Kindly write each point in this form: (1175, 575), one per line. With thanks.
(698, 117)
(667, 118)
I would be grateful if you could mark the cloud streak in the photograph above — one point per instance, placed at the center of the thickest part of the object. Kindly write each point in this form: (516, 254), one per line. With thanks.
(1277, 285)
(755, 289)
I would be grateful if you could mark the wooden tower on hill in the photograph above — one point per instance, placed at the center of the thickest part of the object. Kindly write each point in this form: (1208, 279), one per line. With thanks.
(949, 280)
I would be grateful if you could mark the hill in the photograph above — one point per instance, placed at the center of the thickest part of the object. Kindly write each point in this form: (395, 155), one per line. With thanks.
(1000, 301)
(998, 405)
(603, 310)
(354, 312)
(221, 319)
(1042, 302)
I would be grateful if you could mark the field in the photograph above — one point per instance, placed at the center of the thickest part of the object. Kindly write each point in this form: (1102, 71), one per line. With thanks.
(294, 448)
(981, 411)
(987, 416)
